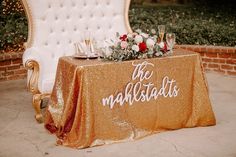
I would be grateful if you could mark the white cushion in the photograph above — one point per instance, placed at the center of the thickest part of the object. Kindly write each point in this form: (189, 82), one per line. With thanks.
(46, 83)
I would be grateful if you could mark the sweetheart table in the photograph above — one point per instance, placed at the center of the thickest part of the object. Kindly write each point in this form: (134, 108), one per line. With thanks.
(97, 102)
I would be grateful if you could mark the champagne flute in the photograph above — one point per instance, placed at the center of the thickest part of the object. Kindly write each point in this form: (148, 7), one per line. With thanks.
(161, 31)
(170, 40)
(87, 41)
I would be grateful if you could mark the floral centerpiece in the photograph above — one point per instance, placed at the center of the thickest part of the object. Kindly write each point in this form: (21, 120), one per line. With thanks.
(135, 46)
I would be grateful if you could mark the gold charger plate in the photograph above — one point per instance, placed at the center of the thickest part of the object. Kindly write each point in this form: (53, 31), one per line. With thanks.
(83, 56)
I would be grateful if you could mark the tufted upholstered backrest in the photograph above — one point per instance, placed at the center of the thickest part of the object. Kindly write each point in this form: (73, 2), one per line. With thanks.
(55, 25)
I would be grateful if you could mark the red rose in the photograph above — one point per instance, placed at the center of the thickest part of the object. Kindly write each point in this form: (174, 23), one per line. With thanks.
(164, 49)
(142, 47)
(123, 38)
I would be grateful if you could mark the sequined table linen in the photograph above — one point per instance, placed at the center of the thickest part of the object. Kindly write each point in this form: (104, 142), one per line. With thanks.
(96, 102)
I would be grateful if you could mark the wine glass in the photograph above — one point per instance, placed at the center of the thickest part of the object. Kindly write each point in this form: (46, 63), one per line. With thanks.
(161, 31)
(98, 48)
(170, 40)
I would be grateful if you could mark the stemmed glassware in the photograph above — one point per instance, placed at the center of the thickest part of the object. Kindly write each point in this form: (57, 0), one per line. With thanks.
(170, 40)
(86, 47)
(161, 31)
(88, 42)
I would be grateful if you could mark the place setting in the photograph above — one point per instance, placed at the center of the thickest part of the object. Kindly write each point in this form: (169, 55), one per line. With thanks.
(86, 48)
(128, 46)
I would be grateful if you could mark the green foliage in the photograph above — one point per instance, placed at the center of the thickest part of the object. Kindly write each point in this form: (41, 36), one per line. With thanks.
(139, 2)
(196, 24)
(130, 46)
(13, 28)
(192, 24)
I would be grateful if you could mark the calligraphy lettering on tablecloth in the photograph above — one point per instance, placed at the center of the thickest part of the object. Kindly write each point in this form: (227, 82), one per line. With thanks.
(141, 90)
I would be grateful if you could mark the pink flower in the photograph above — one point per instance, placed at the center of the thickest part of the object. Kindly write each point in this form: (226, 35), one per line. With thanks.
(123, 44)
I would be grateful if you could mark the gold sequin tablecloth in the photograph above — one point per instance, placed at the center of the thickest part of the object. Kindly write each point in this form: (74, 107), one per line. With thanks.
(98, 102)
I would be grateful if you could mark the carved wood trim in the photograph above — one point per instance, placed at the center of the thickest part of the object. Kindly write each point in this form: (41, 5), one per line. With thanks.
(33, 78)
(127, 5)
(37, 99)
(28, 13)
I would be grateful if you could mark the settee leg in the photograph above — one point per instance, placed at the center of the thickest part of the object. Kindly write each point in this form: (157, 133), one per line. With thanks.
(37, 98)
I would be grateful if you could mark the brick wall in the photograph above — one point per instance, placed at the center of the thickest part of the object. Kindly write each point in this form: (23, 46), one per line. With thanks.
(216, 58)
(11, 67)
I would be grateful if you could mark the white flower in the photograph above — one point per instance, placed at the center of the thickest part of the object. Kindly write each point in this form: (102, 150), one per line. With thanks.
(138, 31)
(130, 35)
(153, 31)
(145, 35)
(150, 43)
(106, 51)
(161, 44)
(135, 48)
(123, 44)
(155, 38)
(138, 39)
(159, 53)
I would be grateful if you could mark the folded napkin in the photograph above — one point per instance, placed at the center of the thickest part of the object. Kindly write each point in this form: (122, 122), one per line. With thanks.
(84, 49)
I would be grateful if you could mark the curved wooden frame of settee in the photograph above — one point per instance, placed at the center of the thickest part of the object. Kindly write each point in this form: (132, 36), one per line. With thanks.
(33, 65)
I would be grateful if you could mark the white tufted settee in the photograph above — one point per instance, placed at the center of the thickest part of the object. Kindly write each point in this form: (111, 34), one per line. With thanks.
(54, 27)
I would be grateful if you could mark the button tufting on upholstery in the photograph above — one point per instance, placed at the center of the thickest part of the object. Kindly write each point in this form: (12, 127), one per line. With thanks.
(53, 55)
(58, 24)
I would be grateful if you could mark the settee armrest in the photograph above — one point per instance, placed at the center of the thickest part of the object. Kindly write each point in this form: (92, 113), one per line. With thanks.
(31, 60)
(31, 54)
